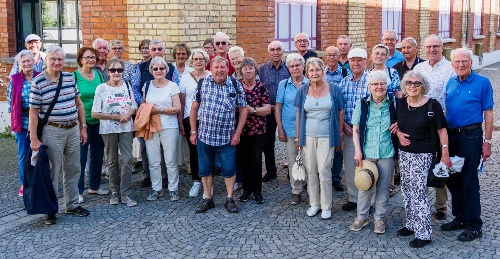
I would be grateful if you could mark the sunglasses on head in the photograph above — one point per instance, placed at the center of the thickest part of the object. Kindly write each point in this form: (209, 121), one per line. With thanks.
(114, 70)
(218, 43)
(158, 68)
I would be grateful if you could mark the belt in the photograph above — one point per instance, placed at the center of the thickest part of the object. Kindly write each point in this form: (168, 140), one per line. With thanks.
(63, 126)
(465, 128)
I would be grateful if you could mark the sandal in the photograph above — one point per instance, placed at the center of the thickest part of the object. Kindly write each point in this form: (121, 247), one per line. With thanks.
(392, 190)
(440, 213)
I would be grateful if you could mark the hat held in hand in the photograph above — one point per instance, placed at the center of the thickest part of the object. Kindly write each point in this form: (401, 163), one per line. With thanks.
(366, 177)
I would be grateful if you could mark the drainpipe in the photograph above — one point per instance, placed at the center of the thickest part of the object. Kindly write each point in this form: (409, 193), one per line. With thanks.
(467, 23)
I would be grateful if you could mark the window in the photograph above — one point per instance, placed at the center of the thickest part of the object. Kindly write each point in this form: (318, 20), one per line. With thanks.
(444, 18)
(57, 22)
(392, 11)
(294, 17)
(478, 23)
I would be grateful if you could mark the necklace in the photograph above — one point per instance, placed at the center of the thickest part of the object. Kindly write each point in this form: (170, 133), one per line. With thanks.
(88, 77)
(410, 108)
(317, 98)
(249, 86)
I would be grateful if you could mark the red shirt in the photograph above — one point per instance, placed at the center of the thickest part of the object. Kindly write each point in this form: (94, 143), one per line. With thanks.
(231, 69)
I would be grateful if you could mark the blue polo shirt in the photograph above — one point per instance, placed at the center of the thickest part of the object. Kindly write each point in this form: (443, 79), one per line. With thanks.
(286, 96)
(467, 100)
(396, 58)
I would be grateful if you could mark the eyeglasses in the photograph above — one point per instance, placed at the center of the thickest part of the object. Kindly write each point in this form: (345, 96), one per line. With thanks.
(433, 47)
(294, 66)
(218, 43)
(114, 70)
(413, 83)
(332, 55)
(388, 39)
(158, 68)
(117, 48)
(275, 49)
(383, 84)
(181, 54)
(208, 47)
(302, 41)
(157, 49)
(198, 59)
(88, 58)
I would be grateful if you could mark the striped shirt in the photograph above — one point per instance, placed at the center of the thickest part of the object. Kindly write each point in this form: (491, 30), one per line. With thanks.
(353, 91)
(43, 91)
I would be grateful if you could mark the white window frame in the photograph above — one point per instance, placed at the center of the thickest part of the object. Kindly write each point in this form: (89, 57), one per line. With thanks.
(478, 18)
(445, 19)
(392, 16)
(293, 17)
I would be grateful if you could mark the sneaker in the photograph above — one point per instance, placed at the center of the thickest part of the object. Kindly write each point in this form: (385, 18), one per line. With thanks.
(295, 199)
(453, 225)
(349, 206)
(417, 243)
(195, 190)
(326, 214)
(115, 200)
(205, 205)
(146, 182)
(174, 196)
(379, 227)
(50, 219)
(237, 186)
(245, 196)
(469, 235)
(440, 214)
(337, 186)
(313, 211)
(78, 211)
(258, 197)
(129, 201)
(268, 177)
(80, 198)
(154, 195)
(358, 224)
(21, 191)
(404, 232)
(98, 192)
(230, 205)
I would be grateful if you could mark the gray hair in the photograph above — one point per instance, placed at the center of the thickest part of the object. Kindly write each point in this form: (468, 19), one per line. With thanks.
(382, 46)
(158, 61)
(113, 61)
(94, 44)
(221, 34)
(249, 62)
(218, 59)
(236, 49)
(377, 75)
(22, 54)
(344, 37)
(155, 41)
(410, 40)
(460, 50)
(55, 49)
(437, 37)
(275, 41)
(315, 61)
(117, 42)
(390, 31)
(303, 34)
(202, 52)
(294, 56)
(332, 47)
(414, 74)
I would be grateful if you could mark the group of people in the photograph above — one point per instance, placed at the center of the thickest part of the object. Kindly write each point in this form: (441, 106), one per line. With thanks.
(337, 112)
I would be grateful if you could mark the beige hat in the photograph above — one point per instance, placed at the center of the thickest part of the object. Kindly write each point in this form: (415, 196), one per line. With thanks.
(366, 177)
(357, 53)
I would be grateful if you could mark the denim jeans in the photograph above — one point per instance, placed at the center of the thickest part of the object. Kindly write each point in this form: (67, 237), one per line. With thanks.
(23, 146)
(269, 144)
(464, 186)
(94, 140)
(338, 158)
(206, 159)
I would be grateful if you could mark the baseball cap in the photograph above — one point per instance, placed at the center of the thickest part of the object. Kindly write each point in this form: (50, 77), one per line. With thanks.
(357, 53)
(32, 37)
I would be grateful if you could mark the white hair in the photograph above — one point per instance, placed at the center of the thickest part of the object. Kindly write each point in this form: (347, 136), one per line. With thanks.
(94, 44)
(236, 49)
(275, 41)
(221, 34)
(301, 34)
(461, 50)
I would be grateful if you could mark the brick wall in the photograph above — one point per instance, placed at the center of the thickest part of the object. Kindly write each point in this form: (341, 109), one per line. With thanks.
(7, 41)
(373, 23)
(330, 18)
(356, 23)
(410, 28)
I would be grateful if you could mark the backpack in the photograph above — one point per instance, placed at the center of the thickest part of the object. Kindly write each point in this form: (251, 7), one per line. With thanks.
(200, 82)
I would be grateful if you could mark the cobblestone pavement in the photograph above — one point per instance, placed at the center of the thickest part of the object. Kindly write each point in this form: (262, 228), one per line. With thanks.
(165, 229)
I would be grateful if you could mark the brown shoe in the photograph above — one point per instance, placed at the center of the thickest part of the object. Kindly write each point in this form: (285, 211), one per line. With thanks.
(295, 199)
(230, 205)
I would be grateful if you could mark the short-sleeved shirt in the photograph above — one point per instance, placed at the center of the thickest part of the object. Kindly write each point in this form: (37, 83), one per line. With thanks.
(336, 76)
(113, 100)
(286, 95)
(353, 91)
(43, 91)
(437, 76)
(217, 111)
(378, 142)
(393, 75)
(162, 98)
(402, 67)
(104, 73)
(271, 77)
(87, 92)
(310, 54)
(188, 87)
(415, 122)
(395, 58)
(345, 65)
(25, 100)
(256, 97)
(466, 100)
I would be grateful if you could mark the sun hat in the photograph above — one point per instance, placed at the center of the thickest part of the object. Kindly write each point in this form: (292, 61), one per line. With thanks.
(366, 177)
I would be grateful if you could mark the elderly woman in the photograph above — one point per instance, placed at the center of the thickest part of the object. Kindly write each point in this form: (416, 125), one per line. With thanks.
(319, 118)
(236, 55)
(415, 154)
(181, 53)
(164, 95)
(114, 106)
(208, 46)
(249, 150)
(285, 113)
(87, 79)
(144, 50)
(379, 56)
(18, 93)
(118, 48)
(373, 141)
(188, 85)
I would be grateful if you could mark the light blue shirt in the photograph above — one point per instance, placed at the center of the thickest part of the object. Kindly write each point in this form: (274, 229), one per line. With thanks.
(286, 96)
(395, 58)
(335, 76)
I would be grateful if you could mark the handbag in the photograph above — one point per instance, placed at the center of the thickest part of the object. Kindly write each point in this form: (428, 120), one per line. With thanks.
(298, 169)
(42, 122)
(432, 179)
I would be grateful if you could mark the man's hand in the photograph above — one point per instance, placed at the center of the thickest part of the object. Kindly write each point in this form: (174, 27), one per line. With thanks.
(83, 135)
(235, 139)
(486, 151)
(347, 129)
(35, 144)
(194, 139)
(281, 135)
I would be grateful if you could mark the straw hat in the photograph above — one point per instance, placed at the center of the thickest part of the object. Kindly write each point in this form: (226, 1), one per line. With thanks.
(366, 177)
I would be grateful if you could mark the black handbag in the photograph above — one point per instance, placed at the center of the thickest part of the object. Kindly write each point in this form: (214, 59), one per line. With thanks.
(42, 122)
(432, 179)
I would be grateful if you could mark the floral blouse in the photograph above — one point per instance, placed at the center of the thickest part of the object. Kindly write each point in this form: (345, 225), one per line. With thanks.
(256, 97)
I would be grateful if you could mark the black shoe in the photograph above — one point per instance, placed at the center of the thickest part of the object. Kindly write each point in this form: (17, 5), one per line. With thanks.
(206, 205)
(164, 183)
(258, 197)
(404, 232)
(146, 182)
(78, 211)
(295, 199)
(50, 219)
(349, 206)
(337, 186)
(469, 235)
(417, 243)
(397, 179)
(453, 225)
(245, 196)
(230, 205)
(440, 214)
(268, 177)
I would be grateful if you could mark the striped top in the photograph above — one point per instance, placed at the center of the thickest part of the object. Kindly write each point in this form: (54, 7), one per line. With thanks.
(43, 91)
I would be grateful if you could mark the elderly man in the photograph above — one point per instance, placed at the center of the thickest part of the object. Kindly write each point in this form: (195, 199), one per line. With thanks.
(344, 45)
(409, 49)
(301, 42)
(469, 101)
(34, 43)
(271, 74)
(354, 88)
(65, 127)
(389, 39)
(102, 47)
(221, 43)
(217, 100)
(438, 71)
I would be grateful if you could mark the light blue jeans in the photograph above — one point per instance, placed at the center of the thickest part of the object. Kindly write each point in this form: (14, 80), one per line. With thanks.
(23, 146)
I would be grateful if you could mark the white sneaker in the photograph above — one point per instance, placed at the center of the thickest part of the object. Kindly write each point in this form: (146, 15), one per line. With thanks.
(212, 192)
(313, 211)
(326, 214)
(195, 190)
(99, 192)
(237, 186)
(80, 198)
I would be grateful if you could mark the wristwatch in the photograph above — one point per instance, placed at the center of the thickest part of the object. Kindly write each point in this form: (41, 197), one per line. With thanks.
(192, 132)
(254, 110)
(444, 146)
(488, 141)
(83, 125)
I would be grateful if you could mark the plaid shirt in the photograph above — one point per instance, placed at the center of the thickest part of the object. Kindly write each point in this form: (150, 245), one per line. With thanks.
(271, 77)
(335, 76)
(217, 112)
(353, 91)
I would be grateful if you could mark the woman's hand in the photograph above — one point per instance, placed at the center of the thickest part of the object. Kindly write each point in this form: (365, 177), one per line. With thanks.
(123, 118)
(358, 157)
(403, 138)
(181, 129)
(446, 160)
(394, 128)
(35, 144)
(281, 135)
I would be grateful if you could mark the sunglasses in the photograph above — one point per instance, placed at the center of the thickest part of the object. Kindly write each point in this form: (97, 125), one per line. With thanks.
(114, 70)
(218, 43)
(157, 49)
(158, 68)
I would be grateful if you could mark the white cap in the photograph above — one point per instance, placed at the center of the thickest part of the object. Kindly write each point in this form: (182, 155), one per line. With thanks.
(32, 37)
(357, 53)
